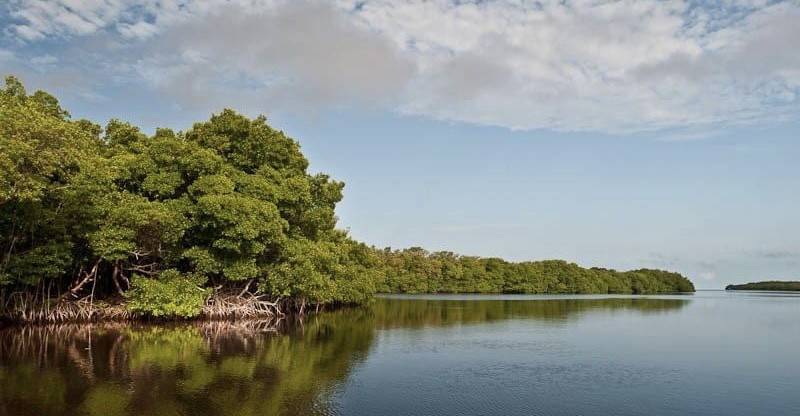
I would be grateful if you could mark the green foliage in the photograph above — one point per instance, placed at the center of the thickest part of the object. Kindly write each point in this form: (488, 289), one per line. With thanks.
(767, 285)
(414, 270)
(41, 150)
(343, 272)
(171, 294)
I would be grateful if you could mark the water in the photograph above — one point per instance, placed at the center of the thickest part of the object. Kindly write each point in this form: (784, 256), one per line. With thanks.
(711, 353)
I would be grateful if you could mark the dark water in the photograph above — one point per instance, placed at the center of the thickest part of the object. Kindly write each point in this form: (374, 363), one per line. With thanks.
(712, 353)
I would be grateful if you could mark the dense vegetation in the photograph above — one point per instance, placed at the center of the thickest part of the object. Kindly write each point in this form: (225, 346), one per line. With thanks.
(222, 217)
(767, 285)
(415, 270)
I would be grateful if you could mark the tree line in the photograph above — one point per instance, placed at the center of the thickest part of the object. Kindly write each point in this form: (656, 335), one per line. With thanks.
(416, 270)
(168, 223)
(767, 285)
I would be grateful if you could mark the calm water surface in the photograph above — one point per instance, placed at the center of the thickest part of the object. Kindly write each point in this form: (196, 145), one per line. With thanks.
(711, 353)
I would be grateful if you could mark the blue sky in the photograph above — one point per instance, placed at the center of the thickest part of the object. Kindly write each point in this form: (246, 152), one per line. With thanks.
(620, 134)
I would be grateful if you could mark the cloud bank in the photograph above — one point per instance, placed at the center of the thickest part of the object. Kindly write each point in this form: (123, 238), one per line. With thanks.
(575, 65)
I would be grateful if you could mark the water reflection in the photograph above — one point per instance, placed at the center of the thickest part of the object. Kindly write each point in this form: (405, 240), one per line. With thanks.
(226, 369)
(210, 369)
(405, 312)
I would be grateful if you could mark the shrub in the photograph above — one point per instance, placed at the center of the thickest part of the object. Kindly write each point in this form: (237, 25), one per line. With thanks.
(172, 294)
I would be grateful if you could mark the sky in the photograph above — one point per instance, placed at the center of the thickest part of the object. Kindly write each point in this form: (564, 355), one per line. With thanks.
(621, 134)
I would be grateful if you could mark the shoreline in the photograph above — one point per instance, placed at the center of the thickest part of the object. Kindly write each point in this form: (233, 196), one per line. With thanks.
(222, 309)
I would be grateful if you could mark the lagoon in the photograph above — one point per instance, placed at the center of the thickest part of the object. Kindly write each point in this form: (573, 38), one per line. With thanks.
(708, 353)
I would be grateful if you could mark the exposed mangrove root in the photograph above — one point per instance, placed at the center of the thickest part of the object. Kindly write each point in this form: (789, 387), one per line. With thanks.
(240, 306)
(24, 308)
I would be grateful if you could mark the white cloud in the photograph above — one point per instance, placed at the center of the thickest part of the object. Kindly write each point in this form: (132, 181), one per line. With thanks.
(298, 55)
(708, 275)
(140, 30)
(42, 18)
(610, 66)
(38, 19)
(607, 66)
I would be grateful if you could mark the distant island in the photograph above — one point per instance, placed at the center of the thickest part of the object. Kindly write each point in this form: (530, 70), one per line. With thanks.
(767, 285)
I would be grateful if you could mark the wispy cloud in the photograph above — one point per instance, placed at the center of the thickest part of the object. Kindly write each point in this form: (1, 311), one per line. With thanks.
(686, 135)
(479, 227)
(778, 254)
(618, 66)
(708, 275)
(674, 261)
(7, 56)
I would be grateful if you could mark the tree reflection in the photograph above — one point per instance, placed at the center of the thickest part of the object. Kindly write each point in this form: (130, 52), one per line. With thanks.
(400, 312)
(208, 368)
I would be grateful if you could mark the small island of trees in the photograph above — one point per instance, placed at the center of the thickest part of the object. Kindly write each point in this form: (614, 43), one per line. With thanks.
(221, 220)
(767, 285)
